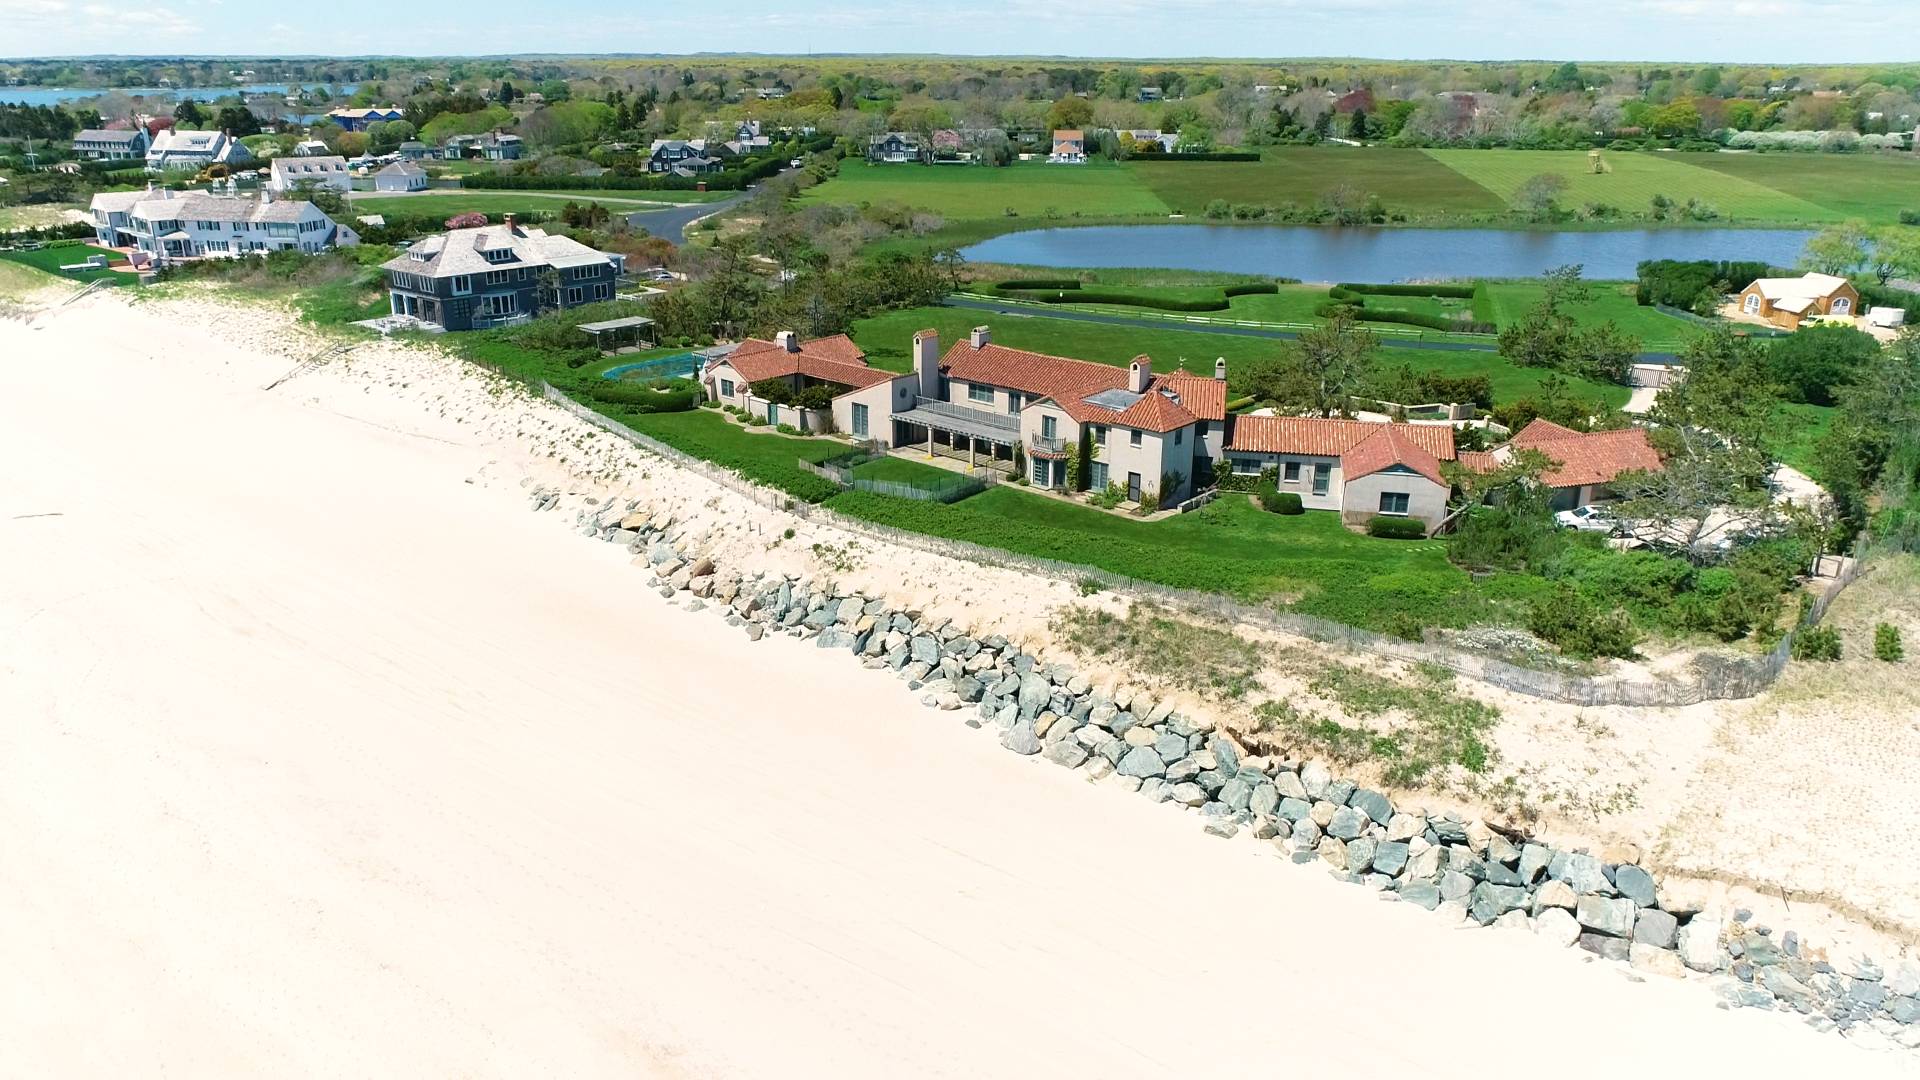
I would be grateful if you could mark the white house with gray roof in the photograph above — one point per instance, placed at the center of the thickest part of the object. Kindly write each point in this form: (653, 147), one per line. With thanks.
(497, 275)
(316, 170)
(174, 149)
(98, 145)
(400, 176)
(174, 226)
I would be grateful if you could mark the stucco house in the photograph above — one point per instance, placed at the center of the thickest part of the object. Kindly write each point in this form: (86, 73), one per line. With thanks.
(835, 362)
(1788, 302)
(496, 275)
(978, 401)
(1357, 468)
(321, 171)
(1585, 463)
(97, 144)
(1069, 147)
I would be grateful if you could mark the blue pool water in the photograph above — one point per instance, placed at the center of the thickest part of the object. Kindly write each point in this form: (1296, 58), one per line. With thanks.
(682, 365)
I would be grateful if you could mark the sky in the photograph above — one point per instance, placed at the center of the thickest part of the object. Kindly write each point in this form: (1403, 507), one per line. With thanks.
(1736, 31)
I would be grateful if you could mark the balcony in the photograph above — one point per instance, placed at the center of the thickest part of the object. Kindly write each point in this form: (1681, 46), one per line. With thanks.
(1042, 446)
(976, 423)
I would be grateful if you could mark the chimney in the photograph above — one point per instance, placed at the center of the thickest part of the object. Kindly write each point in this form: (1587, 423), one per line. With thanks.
(926, 362)
(980, 336)
(508, 219)
(1220, 369)
(786, 340)
(1139, 374)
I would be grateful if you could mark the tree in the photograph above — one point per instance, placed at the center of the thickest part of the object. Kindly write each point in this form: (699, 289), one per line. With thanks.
(1714, 430)
(1357, 124)
(1323, 124)
(1505, 514)
(1325, 367)
(237, 121)
(1678, 120)
(1811, 363)
(1068, 113)
(1896, 251)
(1539, 196)
(1839, 249)
(189, 114)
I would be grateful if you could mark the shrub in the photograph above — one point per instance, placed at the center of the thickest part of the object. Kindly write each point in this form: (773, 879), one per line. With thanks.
(1579, 626)
(1391, 528)
(1886, 643)
(1910, 217)
(1149, 502)
(655, 396)
(1817, 643)
(1282, 502)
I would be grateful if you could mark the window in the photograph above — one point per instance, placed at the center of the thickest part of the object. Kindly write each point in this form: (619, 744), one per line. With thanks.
(1293, 472)
(1049, 428)
(1842, 305)
(462, 284)
(1322, 474)
(575, 294)
(859, 419)
(1753, 303)
(1100, 435)
(1242, 466)
(726, 387)
(499, 255)
(1040, 471)
(1203, 429)
(497, 305)
(1179, 434)
(601, 292)
(1133, 438)
(1393, 502)
(498, 277)
(1099, 476)
(1014, 401)
(982, 394)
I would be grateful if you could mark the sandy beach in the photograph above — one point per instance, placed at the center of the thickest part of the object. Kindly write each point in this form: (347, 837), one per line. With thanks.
(322, 756)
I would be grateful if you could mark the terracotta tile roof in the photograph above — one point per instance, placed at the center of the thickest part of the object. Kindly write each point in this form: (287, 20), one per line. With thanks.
(832, 359)
(1480, 461)
(1204, 397)
(1538, 431)
(1387, 447)
(1588, 457)
(1317, 437)
(1068, 383)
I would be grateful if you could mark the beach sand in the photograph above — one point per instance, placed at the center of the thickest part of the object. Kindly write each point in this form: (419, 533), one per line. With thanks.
(322, 756)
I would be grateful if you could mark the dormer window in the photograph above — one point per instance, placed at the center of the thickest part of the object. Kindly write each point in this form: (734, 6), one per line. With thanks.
(499, 255)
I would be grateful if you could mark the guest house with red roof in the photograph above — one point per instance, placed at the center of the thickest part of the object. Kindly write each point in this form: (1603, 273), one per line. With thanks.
(1583, 464)
(1359, 468)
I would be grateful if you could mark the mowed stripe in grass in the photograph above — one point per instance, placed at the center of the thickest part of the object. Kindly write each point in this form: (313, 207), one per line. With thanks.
(1611, 302)
(1875, 187)
(1634, 179)
(961, 192)
(1406, 180)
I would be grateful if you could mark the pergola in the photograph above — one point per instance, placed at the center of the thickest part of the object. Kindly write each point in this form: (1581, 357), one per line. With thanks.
(962, 428)
(609, 334)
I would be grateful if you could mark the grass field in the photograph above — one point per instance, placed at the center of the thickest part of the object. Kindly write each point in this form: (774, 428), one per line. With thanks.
(1802, 426)
(1406, 180)
(1875, 187)
(1657, 331)
(1309, 562)
(52, 258)
(1636, 178)
(1030, 190)
(38, 216)
(888, 341)
(904, 471)
(449, 203)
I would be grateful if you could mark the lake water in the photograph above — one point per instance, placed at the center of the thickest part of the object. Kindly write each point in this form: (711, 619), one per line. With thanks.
(54, 95)
(1322, 253)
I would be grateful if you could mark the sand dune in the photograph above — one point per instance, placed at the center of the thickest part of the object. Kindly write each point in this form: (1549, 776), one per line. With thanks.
(317, 760)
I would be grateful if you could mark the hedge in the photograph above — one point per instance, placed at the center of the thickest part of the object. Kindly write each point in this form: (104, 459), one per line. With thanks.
(1077, 294)
(1251, 288)
(1038, 283)
(1212, 155)
(1283, 502)
(657, 396)
(1396, 528)
(1910, 217)
(1457, 292)
(1410, 318)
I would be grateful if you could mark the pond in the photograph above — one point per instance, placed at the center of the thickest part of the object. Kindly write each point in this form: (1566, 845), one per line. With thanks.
(1321, 253)
(61, 95)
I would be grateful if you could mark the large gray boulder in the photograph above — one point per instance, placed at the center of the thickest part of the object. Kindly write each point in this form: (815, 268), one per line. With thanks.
(1557, 926)
(1634, 883)
(1067, 752)
(1360, 854)
(1583, 872)
(1264, 800)
(1347, 823)
(1699, 942)
(1020, 738)
(1490, 901)
(1605, 915)
(1390, 858)
(1656, 928)
(1236, 793)
(1035, 692)
(1373, 804)
(1142, 762)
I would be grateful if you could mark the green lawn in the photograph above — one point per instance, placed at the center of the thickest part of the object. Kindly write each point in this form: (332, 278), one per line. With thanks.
(1612, 302)
(1871, 186)
(761, 454)
(901, 470)
(1802, 426)
(449, 203)
(1405, 180)
(50, 259)
(1633, 182)
(1096, 189)
(1309, 562)
(888, 341)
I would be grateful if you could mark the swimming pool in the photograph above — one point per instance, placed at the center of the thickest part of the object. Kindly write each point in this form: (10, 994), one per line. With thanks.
(680, 365)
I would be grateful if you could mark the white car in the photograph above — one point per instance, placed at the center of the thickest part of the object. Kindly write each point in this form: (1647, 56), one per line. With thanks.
(1586, 519)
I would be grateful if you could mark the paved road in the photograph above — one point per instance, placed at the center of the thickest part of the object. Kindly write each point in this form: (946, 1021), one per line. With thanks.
(1235, 331)
(671, 223)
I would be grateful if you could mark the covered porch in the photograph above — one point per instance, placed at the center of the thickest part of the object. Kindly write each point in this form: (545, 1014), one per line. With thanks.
(977, 437)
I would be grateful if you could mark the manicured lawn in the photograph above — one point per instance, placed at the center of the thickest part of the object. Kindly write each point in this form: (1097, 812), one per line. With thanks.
(1405, 180)
(1802, 427)
(1309, 562)
(1096, 189)
(1612, 302)
(50, 259)
(1871, 186)
(1635, 179)
(888, 341)
(905, 471)
(449, 203)
(762, 454)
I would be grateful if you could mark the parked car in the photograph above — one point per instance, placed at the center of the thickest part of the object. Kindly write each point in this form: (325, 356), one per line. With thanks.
(1586, 519)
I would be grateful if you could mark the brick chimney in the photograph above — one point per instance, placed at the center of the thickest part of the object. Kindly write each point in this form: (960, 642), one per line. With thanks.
(926, 362)
(1220, 369)
(508, 219)
(1139, 374)
(787, 340)
(980, 336)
